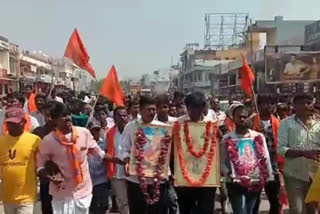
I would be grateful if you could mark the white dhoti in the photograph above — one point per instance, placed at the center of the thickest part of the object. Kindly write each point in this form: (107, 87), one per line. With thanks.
(72, 206)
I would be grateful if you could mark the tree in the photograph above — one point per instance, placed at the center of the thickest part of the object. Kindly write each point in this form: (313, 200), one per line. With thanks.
(96, 85)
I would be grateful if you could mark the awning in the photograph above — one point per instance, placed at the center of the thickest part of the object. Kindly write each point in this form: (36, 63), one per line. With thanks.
(37, 62)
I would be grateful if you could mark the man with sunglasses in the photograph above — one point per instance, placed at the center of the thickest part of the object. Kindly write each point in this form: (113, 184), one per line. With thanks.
(68, 147)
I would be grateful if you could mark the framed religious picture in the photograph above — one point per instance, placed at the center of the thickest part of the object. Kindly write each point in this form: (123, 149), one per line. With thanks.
(149, 153)
(250, 161)
(196, 154)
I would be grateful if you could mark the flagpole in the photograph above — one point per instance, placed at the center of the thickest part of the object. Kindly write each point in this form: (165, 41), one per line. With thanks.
(52, 79)
(92, 111)
(255, 101)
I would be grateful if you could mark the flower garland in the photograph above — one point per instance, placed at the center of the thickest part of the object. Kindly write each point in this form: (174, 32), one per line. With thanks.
(140, 141)
(241, 171)
(189, 140)
(182, 161)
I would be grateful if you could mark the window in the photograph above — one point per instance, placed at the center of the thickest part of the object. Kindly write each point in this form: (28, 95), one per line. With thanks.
(12, 66)
(232, 79)
(1, 91)
(199, 76)
(6, 89)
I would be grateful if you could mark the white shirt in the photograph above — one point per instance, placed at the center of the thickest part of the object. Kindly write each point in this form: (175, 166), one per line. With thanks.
(58, 99)
(266, 124)
(40, 117)
(221, 116)
(137, 118)
(119, 172)
(86, 99)
(26, 106)
(211, 114)
(34, 123)
(127, 139)
(170, 119)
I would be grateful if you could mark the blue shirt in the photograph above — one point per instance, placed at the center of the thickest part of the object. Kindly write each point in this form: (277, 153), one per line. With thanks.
(97, 168)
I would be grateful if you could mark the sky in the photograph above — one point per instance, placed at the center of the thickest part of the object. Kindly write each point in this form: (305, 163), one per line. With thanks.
(137, 36)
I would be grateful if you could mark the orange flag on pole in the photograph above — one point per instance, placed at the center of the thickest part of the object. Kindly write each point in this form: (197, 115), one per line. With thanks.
(247, 78)
(111, 88)
(78, 54)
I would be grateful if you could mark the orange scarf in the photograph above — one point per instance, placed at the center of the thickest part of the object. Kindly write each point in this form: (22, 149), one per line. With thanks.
(27, 126)
(73, 151)
(275, 125)
(229, 124)
(32, 103)
(110, 150)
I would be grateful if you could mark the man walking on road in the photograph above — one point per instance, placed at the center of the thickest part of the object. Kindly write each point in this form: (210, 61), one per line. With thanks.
(298, 144)
(18, 165)
(115, 165)
(68, 147)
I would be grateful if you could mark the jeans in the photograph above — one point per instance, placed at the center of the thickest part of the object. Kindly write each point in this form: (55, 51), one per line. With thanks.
(196, 200)
(138, 204)
(272, 189)
(45, 197)
(242, 201)
(172, 201)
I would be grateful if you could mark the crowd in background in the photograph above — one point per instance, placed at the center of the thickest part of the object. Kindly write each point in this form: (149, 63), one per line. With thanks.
(79, 149)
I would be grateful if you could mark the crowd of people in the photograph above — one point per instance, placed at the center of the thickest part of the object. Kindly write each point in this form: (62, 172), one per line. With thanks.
(79, 150)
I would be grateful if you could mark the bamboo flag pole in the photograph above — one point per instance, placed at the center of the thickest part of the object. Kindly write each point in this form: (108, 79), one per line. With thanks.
(254, 97)
(92, 111)
(52, 79)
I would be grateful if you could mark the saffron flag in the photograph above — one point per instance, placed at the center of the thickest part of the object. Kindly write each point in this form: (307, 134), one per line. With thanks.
(32, 107)
(111, 88)
(247, 78)
(77, 53)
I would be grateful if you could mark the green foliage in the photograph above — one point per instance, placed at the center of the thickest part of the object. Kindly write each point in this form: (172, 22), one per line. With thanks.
(96, 85)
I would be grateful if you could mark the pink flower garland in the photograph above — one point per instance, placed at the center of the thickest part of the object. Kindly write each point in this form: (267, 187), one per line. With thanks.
(241, 171)
(140, 141)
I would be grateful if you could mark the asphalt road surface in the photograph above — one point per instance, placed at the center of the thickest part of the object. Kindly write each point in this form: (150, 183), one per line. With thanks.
(264, 207)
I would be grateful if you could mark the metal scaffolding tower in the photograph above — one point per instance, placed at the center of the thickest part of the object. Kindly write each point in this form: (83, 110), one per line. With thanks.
(225, 30)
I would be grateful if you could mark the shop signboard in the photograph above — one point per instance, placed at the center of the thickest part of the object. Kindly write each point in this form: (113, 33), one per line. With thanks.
(289, 64)
(312, 33)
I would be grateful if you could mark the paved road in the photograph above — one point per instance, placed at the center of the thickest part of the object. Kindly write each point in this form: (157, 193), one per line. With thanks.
(264, 207)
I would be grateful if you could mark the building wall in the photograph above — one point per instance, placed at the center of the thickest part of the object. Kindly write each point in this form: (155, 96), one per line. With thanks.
(4, 60)
(282, 32)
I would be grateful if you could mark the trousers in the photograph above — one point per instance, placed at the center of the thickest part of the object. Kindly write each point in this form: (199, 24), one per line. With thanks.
(138, 204)
(119, 189)
(199, 200)
(242, 201)
(18, 208)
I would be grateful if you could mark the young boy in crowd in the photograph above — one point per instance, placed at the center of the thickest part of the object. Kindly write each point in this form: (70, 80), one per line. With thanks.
(98, 173)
